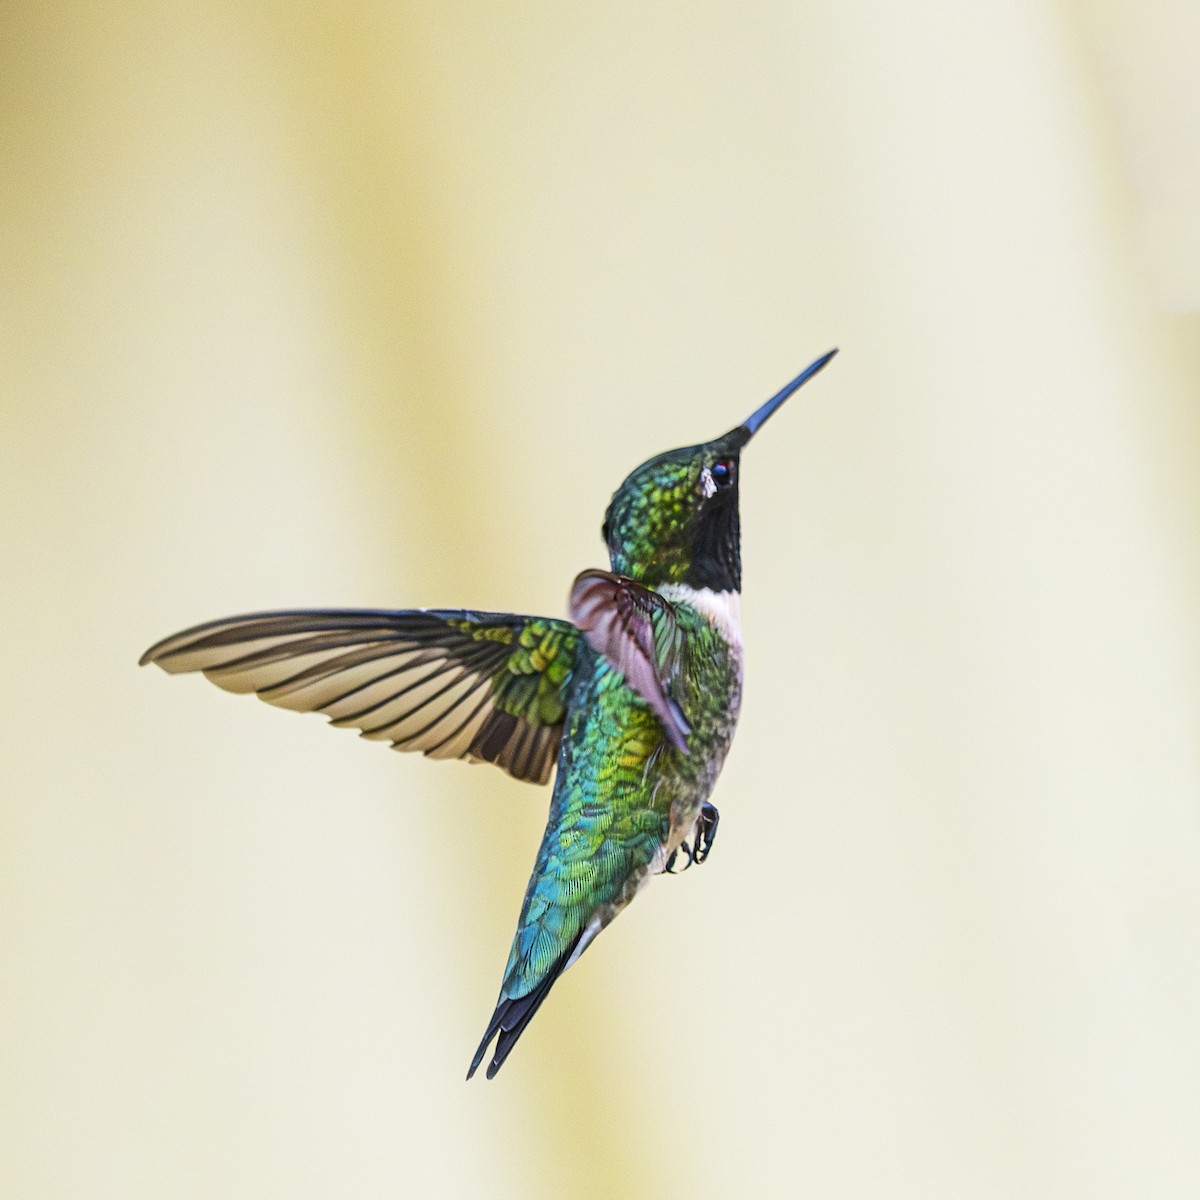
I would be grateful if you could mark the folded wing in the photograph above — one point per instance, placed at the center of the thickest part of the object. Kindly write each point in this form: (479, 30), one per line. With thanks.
(487, 687)
(635, 629)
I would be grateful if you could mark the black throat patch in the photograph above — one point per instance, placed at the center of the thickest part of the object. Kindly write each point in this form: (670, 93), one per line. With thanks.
(717, 553)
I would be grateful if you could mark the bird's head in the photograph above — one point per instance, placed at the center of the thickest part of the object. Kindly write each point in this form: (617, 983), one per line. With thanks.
(675, 518)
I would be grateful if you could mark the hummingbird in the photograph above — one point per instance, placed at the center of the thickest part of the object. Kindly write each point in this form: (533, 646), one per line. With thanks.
(632, 702)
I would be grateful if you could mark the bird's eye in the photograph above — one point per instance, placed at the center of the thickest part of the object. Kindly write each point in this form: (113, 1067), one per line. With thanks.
(722, 472)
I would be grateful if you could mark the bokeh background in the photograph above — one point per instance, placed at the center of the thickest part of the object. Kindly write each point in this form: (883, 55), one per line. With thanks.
(375, 304)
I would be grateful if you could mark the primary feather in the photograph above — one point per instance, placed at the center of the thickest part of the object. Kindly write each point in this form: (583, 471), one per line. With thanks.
(487, 687)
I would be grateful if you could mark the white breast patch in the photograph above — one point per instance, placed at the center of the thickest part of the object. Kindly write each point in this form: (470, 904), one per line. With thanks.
(722, 609)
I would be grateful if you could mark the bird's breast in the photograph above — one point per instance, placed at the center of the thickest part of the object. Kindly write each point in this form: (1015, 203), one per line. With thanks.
(722, 610)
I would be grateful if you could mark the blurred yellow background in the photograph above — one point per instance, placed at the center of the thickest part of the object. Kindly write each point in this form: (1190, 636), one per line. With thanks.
(375, 304)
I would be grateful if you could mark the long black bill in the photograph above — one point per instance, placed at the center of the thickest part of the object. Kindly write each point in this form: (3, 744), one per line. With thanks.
(752, 423)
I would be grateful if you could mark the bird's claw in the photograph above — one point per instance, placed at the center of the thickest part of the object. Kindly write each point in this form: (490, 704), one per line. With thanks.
(705, 835)
(691, 858)
(706, 831)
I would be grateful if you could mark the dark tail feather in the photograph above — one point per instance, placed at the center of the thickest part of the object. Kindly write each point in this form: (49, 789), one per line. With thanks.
(511, 1016)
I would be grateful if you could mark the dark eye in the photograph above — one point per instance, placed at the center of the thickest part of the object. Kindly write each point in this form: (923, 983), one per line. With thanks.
(722, 472)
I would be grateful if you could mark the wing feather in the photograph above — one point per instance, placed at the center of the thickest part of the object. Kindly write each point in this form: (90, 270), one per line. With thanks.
(487, 687)
(635, 629)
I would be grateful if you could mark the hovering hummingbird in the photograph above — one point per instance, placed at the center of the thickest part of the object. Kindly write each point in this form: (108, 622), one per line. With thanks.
(635, 698)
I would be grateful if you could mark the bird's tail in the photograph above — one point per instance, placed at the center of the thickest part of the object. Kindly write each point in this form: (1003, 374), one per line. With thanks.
(513, 1014)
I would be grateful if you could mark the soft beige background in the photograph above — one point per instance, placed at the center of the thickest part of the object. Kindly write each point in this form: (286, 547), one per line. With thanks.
(373, 304)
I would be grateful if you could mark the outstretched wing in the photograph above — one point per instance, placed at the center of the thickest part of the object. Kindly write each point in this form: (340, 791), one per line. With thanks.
(635, 629)
(488, 687)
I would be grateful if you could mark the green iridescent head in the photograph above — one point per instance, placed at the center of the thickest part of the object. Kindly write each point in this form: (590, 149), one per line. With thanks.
(675, 518)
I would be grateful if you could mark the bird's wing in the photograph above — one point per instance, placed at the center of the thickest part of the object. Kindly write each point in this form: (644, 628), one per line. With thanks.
(488, 687)
(635, 629)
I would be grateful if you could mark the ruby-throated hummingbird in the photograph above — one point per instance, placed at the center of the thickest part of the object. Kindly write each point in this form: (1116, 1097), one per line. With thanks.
(635, 698)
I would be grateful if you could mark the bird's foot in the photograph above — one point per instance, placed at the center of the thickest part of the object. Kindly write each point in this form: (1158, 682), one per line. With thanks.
(691, 858)
(697, 850)
(706, 832)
